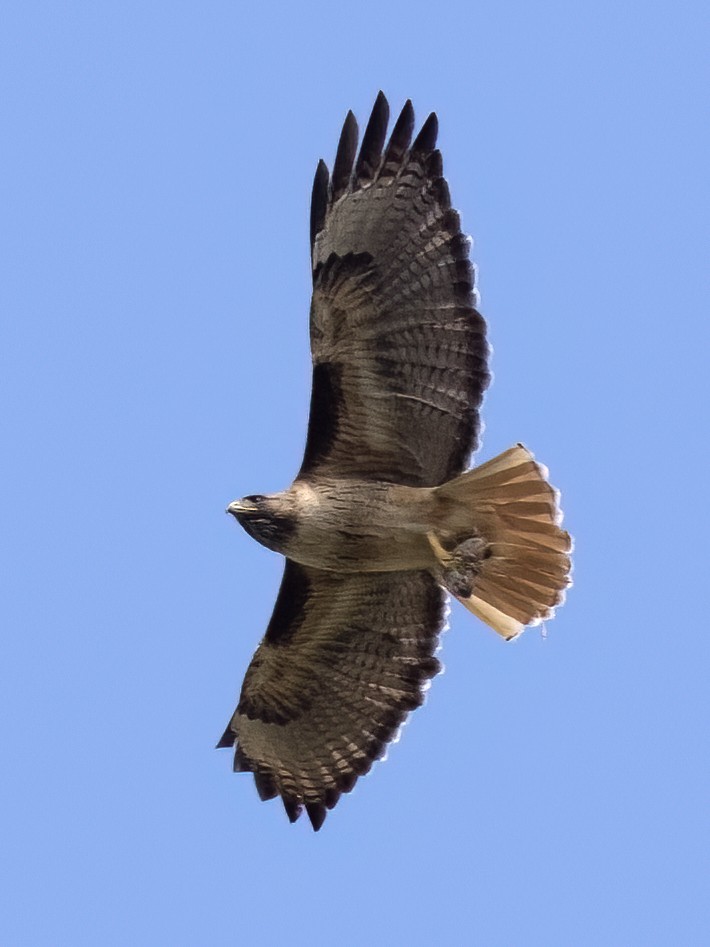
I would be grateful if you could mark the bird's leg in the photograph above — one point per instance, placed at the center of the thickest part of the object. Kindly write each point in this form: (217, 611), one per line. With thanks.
(461, 567)
(441, 554)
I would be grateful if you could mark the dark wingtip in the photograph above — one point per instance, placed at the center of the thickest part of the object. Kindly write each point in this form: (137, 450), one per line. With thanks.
(227, 739)
(316, 813)
(319, 199)
(345, 156)
(435, 164)
(241, 764)
(373, 140)
(331, 797)
(293, 808)
(265, 786)
(425, 141)
(401, 135)
(451, 221)
(442, 193)
(405, 123)
(381, 105)
(346, 781)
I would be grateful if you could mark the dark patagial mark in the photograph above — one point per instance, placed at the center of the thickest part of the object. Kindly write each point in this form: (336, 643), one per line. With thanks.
(326, 389)
(326, 399)
(289, 611)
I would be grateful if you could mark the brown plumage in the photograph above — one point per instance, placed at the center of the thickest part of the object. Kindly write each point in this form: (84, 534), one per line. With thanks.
(382, 521)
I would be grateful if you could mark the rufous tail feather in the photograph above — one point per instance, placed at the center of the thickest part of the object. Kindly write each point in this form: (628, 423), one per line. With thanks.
(527, 563)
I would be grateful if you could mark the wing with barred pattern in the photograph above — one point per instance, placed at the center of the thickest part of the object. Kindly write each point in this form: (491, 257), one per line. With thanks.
(399, 350)
(344, 660)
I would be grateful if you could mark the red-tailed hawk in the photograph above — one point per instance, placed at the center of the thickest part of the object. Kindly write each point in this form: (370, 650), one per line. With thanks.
(382, 521)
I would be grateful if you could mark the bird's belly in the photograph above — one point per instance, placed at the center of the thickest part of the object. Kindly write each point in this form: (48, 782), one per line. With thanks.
(364, 528)
(348, 550)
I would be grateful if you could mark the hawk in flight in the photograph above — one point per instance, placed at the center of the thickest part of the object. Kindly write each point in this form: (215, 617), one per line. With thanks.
(383, 520)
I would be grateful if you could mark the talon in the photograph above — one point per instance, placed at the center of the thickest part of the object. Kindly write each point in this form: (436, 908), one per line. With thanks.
(461, 567)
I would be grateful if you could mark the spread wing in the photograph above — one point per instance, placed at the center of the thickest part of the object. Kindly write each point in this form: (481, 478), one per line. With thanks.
(344, 660)
(399, 351)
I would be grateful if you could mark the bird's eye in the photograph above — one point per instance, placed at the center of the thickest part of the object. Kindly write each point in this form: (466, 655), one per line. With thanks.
(255, 499)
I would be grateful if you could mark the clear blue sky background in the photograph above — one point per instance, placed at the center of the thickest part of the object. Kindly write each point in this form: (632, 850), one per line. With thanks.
(157, 164)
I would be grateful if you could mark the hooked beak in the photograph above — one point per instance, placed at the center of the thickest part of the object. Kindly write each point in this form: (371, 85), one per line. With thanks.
(241, 506)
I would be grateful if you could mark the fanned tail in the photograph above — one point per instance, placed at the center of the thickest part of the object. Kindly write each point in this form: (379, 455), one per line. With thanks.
(526, 566)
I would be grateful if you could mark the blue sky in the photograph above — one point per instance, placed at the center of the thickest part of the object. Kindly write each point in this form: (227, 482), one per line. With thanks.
(154, 365)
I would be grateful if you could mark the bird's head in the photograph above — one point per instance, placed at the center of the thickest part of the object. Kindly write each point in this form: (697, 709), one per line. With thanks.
(264, 518)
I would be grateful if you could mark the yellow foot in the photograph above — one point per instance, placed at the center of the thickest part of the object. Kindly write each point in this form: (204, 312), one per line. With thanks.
(441, 554)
